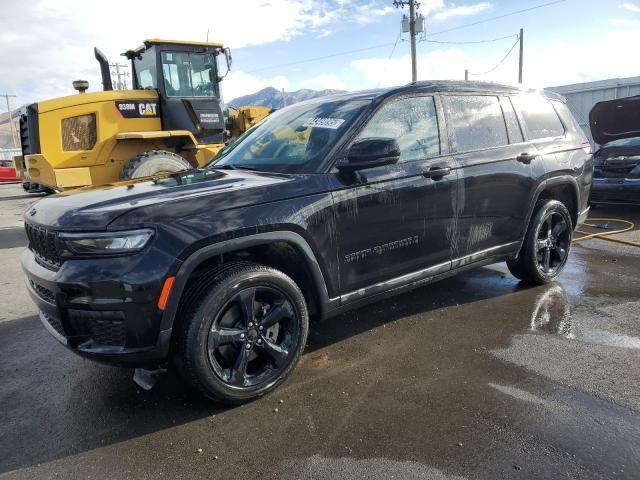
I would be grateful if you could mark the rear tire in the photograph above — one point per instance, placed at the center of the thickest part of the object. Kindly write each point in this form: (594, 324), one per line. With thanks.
(241, 330)
(151, 163)
(546, 246)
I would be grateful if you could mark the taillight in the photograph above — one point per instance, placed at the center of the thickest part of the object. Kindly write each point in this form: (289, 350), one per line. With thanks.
(587, 148)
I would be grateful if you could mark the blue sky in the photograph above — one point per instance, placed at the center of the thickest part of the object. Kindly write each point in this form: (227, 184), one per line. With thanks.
(49, 43)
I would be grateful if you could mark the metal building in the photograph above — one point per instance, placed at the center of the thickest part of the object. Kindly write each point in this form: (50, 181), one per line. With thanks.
(581, 97)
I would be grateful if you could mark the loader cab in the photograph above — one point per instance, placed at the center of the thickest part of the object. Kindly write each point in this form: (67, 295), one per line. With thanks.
(186, 76)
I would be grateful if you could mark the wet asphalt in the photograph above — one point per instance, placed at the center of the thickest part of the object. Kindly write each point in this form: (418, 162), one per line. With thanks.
(476, 377)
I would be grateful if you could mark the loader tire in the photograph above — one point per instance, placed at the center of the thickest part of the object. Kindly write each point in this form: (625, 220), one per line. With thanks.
(153, 162)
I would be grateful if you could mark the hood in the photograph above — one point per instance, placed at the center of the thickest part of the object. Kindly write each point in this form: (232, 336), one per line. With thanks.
(94, 208)
(615, 119)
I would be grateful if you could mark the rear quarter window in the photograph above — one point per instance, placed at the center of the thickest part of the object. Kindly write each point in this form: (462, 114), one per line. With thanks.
(569, 120)
(477, 122)
(540, 118)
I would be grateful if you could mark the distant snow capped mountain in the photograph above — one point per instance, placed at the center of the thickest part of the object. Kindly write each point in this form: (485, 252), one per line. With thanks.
(270, 97)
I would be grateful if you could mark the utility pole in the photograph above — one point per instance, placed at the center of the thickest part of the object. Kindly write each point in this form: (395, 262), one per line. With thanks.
(521, 54)
(11, 125)
(466, 74)
(120, 84)
(413, 5)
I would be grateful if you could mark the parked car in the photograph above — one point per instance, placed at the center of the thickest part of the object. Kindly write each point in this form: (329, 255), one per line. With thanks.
(615, 125)
(8, 172)
(325, 206)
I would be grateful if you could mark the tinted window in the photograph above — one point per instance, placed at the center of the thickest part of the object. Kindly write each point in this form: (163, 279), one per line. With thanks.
(513, 127)
(477, 122)
(539, 116)
(412, 122)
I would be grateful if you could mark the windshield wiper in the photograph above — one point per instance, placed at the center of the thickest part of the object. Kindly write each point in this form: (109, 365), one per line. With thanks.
(226, 166)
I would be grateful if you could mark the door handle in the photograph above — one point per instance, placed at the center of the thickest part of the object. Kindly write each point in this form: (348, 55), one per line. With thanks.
(526, 158)
(436, 173)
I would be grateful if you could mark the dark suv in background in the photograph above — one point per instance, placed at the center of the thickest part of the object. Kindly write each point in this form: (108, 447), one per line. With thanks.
(324, 206)
(615, 125)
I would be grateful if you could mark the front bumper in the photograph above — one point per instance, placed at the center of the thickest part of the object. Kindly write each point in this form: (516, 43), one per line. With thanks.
(103, 309)
(615, 191)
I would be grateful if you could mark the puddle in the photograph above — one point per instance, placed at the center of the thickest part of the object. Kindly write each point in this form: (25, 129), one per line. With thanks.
(553, 313)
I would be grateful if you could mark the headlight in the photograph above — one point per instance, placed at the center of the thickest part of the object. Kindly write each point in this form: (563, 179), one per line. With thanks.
(106, 243)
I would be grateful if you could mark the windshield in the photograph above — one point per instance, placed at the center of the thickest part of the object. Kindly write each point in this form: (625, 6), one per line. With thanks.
(292, 140)
(189, 74)
(624, 143)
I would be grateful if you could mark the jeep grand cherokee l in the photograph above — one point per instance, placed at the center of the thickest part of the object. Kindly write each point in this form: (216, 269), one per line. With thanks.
(324, 206)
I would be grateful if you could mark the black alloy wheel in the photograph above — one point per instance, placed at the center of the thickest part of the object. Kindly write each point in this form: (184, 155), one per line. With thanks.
(252, 337)
(546, 246)
(241, 330)
(554, 237)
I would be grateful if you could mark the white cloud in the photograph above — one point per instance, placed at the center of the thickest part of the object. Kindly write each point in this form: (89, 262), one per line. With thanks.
(632, 7)
(323, 82)
(462, 11)
(626, 22)
(48, 44)
(562, 63)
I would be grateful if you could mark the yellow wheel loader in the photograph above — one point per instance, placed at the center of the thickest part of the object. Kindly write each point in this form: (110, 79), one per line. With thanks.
(172, 120)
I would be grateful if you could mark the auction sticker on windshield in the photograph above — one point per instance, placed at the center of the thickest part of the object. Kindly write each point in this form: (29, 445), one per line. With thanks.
(320, 122)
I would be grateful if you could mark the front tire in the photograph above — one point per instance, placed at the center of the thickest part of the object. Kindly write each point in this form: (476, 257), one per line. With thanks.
(546, 246)
(241, 332)
(151, 163)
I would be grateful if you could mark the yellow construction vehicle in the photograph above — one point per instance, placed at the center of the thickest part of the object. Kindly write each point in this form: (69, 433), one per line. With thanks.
(173, 119)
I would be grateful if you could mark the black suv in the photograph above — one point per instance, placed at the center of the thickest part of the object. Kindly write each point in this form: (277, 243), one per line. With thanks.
(324, 206)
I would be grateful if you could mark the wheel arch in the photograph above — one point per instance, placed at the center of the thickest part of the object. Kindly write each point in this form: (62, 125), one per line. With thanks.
(563, 188)
(302, 268)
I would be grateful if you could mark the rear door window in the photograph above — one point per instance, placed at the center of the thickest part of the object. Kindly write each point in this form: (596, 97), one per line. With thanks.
(412, 122)
(540, 118)
(477, 122)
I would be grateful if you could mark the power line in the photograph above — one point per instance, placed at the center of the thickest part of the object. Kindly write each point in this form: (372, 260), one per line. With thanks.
(471, 42)
(386, 64)
(11, 125)
(373, 47)
(490, 19)
(324, 57)
(499, 63)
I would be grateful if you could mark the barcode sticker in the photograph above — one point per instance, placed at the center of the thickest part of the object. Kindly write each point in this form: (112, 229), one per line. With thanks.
(320, 122)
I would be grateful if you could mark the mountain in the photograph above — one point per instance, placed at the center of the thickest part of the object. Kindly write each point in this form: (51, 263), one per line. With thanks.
(270, 97)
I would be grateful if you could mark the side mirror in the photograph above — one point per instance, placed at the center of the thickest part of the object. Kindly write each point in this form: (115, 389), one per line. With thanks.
(370, 153)
(227, 56)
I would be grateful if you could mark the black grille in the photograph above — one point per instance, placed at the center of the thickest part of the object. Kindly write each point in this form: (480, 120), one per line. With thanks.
(44, 293)
(55, 323)
(617, 171)
(44, 244)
